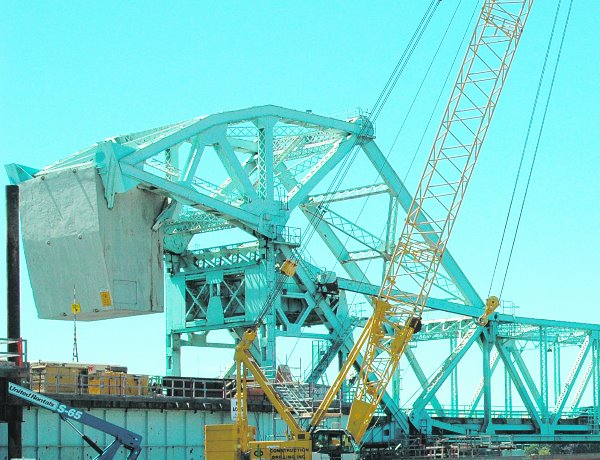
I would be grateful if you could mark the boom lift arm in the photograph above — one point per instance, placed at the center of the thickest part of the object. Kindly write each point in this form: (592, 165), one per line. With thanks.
(245, 362)
(399, 306)
(123, 438)
(300, 445)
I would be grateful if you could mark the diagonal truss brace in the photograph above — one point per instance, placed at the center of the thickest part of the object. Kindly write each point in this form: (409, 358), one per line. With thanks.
(507, 351)
(444, 372)
(575, 369)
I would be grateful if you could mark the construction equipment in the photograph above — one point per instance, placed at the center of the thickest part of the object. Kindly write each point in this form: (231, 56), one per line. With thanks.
(235, 440)
(123, 438)
(412, 270)
(398, 311)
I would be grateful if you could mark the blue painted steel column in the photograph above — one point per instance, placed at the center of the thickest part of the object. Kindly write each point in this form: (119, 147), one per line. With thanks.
(508, 407)
(268, 330)
(556, 368)
(454, 384)
(544, 373)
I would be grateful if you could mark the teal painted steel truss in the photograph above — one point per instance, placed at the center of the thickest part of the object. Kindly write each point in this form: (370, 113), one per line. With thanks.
(244, 191)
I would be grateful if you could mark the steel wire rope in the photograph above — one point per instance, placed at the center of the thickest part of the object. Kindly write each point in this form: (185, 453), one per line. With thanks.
(380, 103)
(349, 159)
(525, 144)
(441, 92)
(383, 97)
(401, 64)
(537, 145)
(351, 156)
(467, 29)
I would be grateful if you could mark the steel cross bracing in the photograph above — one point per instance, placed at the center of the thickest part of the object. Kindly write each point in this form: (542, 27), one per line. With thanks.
(224, 287)
(509, 343)
(270, 160)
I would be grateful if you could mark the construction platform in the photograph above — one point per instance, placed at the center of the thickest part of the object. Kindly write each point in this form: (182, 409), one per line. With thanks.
(170, 414)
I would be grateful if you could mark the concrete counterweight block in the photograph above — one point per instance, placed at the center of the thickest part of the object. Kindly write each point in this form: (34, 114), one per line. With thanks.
(109, 260)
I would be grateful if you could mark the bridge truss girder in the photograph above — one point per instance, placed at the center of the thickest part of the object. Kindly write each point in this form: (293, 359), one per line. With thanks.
(507, 342)
(275, 162)
(273, 159)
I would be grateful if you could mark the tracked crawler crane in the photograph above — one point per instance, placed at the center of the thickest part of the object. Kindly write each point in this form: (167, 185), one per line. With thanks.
(411, 273)
(397, 310)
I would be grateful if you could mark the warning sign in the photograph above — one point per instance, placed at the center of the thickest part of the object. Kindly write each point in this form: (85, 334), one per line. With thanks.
(105, 299)
(234, 409)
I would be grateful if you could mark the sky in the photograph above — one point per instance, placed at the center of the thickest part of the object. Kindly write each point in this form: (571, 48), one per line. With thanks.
(73, 73)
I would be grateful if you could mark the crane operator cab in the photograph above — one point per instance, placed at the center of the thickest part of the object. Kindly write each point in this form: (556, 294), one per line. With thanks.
(333, 444)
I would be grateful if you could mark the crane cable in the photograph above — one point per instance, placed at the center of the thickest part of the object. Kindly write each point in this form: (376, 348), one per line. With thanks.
(349, 159)
(523, 151)
(526, 142)
(441, 92)
(537, 145)
(379, 104)
(403, 60)
(456, 55)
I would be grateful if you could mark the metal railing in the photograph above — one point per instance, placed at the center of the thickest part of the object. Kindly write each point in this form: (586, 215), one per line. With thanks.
(18, 358)
(70, 379)
(465, 411)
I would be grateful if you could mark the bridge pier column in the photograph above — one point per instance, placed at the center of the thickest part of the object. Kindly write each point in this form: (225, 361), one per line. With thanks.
(596, 383)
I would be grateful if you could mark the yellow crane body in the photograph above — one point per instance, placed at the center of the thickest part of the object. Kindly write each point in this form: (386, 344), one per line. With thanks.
(406, 286)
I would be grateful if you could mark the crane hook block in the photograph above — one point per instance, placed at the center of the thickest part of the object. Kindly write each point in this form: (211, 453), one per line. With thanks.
(491, 304)
(288, 267)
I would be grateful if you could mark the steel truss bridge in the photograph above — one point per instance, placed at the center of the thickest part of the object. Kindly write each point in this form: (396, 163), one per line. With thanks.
(273, 173)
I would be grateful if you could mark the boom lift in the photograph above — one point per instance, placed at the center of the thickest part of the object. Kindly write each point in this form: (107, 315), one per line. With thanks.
(123, 438)
(398, 308)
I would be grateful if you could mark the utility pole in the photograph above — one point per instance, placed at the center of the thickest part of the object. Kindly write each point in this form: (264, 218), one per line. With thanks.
(13, 308)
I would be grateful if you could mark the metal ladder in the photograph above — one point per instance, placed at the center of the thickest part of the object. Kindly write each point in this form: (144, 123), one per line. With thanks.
(296, 396)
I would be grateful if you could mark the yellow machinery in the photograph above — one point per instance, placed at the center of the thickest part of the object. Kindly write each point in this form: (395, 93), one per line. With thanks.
(491, 304)
(232, 441)
(417, 256)
(411, 272)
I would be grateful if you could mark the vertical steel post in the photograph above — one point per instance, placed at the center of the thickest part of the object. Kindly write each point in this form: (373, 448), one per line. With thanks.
(557, 379)
(13, 302)
(544, 372)
(13, 306)
(596, 383)
(487, 382)
(507, 394)
(268, 330)
(454, 383)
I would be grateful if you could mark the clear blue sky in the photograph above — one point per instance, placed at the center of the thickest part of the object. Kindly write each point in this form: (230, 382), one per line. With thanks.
(74, 73)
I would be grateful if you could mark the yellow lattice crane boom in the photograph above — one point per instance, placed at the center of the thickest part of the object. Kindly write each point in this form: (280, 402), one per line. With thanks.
(406, 286)
(412, 269)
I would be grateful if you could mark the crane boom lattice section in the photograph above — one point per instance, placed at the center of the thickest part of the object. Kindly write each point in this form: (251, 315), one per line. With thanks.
(407, 285)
